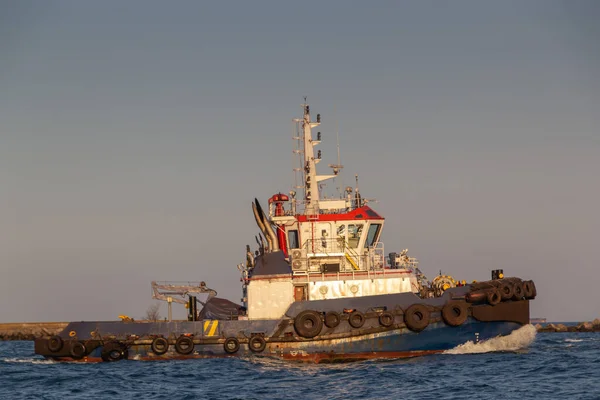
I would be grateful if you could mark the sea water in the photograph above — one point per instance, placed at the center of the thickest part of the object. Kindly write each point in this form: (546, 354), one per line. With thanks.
(524, 365)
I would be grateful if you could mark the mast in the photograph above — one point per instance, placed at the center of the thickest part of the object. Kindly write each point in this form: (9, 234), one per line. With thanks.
(311, 179)
(311, 192)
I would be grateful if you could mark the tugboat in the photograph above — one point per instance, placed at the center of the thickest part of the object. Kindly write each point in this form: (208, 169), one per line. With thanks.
(318, 288)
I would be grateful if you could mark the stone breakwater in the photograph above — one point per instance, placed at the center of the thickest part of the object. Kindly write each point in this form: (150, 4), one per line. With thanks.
(593, 326)
(30, 330)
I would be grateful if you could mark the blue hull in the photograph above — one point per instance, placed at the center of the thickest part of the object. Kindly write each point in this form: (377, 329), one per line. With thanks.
(396, 343)
(287, 339)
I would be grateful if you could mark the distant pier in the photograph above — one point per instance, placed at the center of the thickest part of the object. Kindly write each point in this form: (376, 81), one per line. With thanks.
(30, 330)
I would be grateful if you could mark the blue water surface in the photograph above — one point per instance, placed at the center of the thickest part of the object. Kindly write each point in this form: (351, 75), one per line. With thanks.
(554, 366)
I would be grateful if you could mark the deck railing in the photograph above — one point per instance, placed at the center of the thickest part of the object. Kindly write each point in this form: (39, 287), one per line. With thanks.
(369, 259)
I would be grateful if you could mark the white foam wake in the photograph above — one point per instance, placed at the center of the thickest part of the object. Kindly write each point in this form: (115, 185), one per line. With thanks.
(517, 340)
(27, 360)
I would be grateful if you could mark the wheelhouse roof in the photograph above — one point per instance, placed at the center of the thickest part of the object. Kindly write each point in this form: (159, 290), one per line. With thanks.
(359, 214)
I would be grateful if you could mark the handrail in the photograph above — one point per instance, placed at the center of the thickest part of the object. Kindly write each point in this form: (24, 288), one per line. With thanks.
(374, 257)
(352, 275)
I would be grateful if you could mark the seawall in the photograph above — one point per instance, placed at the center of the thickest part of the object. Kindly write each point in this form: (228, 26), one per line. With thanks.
(30, 330)
(593, 326)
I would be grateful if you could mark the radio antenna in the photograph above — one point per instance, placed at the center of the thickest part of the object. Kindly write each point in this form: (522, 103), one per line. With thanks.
(337, 167)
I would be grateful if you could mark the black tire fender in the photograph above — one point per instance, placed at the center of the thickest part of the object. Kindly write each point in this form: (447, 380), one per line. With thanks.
(184, 345)
(160, 346)
(77, 350)
(332, 319)
(308, 324)
(114, 351)
(506, 290)
(533, 289)
(493, 297)
(416, 317)
(356, 319)
(231, 345)
(455, 313)
(528, 289)
(55, 344)
(386, 319)
(257, 344)
(478, 296)
(518, 291)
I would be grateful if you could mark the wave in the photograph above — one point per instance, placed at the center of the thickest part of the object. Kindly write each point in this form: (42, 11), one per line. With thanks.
(574, 340)
(517, 340)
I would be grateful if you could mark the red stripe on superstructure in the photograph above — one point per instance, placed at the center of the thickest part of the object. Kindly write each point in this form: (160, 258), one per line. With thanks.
(360, 214)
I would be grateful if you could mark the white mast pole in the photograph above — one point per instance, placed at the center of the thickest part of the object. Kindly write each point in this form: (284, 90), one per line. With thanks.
(311, 191)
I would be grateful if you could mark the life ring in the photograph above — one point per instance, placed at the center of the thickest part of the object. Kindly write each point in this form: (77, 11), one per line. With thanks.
(77, 350)
(518, 291)
(416, 317)
(356, 319)
(184, 345)
(55, 343)
(257, 344)
(160, 346)
(332, 319)
(493, 297)
(231, 345)
(528, 289)
(114, 351)
(455, 313)
(506, 290)
(308, 324)
(386, 319)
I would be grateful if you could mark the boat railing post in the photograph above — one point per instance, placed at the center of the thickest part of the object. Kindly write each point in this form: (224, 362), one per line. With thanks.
(170, 303)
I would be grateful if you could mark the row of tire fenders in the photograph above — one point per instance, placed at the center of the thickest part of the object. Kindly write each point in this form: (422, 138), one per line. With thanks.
(111, 351)
(185, 345)
(309, 323)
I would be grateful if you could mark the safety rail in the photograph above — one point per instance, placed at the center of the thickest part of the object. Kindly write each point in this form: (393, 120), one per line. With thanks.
(372, 259)
(377, 255)
(308, 276)
(323, 247)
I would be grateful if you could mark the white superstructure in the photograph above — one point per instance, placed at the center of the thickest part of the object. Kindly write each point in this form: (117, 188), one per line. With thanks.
(314, 248)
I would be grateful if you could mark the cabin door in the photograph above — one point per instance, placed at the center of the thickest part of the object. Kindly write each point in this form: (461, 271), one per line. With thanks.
(300, 293)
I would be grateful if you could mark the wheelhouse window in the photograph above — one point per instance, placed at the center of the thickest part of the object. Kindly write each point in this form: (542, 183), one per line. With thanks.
(354, 232)
(372, 235)
(293, 239)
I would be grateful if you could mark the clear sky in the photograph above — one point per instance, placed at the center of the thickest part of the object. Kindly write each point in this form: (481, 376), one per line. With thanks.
(134, 136)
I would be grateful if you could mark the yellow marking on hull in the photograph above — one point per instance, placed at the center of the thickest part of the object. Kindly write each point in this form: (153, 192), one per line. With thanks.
(210, 327)
(214, 328)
